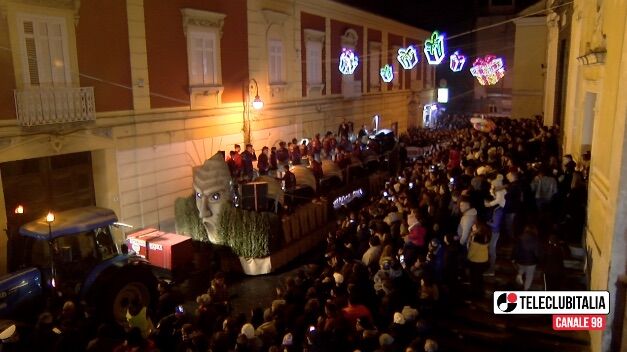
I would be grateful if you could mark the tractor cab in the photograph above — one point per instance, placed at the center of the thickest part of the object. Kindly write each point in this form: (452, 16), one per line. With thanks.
(73, 255)
(67, 248)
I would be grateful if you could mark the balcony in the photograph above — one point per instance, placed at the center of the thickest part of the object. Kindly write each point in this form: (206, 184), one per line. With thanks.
(46, 106)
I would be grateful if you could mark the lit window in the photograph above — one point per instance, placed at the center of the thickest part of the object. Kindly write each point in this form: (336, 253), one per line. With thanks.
(44, 50)
(202, 58)
(203, 30)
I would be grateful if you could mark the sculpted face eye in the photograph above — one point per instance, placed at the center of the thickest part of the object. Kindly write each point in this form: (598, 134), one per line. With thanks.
(198, 195)
(216, 196)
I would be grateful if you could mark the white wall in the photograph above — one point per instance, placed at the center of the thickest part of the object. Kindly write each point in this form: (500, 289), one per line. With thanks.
(150, 179)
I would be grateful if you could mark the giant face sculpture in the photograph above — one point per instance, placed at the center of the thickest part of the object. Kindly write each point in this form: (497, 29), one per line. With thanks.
(212, 184)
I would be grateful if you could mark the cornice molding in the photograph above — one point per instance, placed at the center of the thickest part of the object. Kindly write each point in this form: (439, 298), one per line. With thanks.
(312, 35)
(274, 17)
(201, 18)
(350, 38)
(72, 5)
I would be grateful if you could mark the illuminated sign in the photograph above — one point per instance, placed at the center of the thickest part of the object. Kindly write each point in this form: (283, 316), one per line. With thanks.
(348, 61)
(488, 70)
(457, 61)
(434, 48)
(136, 244)
(387, 74)
(407, 57)
(442, 95)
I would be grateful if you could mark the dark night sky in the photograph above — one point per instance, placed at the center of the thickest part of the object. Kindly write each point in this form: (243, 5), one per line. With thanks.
(449, 16)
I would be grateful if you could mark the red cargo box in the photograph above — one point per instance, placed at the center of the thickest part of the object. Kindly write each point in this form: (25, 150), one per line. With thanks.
(165, 250)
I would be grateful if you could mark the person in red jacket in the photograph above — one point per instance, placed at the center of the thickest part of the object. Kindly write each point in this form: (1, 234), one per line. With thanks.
(237, 160)
(415, 241)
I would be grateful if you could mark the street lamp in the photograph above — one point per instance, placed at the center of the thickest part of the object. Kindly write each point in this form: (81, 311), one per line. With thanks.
(50, 220)
(256, 103)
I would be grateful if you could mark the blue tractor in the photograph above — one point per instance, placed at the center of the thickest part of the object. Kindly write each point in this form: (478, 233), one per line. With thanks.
(74, 256)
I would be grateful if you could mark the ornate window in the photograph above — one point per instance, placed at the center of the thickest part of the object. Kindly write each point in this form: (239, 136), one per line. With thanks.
(374, 65)
(203, 30)
(275, 62)
(44, 50)
(277, 73)
(314, 42)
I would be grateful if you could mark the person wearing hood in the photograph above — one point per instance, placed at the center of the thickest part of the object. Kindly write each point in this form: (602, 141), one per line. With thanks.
(478, 257)
(498, 191)
(469, 218)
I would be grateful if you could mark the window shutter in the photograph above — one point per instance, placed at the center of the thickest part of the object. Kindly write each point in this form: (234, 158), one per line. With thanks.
(196, 64)
(31, 52)
(209, 76)
(375, 66)
(45, 51)
(275, 61)
(57, 60)
(314, 63)
(202, 61)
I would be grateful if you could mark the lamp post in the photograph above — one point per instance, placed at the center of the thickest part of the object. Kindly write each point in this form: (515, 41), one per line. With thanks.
(13, 244)
(50, 220)
(256, 104)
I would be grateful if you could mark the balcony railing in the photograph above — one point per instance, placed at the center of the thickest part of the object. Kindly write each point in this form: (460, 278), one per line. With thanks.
(45, 106)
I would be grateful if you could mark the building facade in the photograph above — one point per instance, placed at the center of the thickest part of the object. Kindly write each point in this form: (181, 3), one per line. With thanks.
(498, 40)
(112, 103)
(529, 64)
(594, 125)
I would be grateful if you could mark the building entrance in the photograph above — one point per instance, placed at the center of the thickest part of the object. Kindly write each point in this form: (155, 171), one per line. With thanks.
(40, 185)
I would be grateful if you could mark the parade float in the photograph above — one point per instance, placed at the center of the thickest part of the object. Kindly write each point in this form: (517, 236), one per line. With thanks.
(262, 224)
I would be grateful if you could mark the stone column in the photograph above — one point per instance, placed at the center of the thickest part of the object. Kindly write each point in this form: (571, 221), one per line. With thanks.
(138, 54)
(551, 68)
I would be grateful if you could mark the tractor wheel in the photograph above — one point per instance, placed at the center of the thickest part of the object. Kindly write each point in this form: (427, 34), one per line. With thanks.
(134, 291)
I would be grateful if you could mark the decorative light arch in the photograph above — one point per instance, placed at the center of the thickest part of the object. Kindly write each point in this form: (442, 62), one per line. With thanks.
(488, 70)
(457, 61)
(387, 73)
(434, 48)
(348, 61)
(408, 57)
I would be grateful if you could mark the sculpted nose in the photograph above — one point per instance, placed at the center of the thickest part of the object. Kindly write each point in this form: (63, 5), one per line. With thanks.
(205, 209)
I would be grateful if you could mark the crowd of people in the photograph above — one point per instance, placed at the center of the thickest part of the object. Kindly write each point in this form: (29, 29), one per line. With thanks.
(400, 258)
(277, 160)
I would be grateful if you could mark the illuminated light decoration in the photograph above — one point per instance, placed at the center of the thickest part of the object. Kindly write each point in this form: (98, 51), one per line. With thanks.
(488, 70)
(387, 74)
(434, 48)
(407, 57)
(457, 61)
(348, 61)
(347, 198)
(442, 95)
